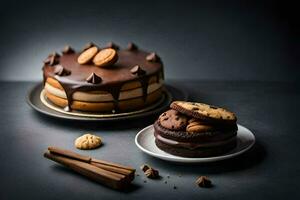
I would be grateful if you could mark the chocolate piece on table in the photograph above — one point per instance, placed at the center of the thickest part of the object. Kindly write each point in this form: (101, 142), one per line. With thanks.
(67, 50)
(153, 57)
(152, 173)
(144, 168)
(61, 71)
(112, 45)
(131, 47)
(94, 79)
(137, 70)
(203, 181)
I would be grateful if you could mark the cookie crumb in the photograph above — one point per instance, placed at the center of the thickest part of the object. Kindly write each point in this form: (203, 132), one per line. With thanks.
(152, 173)
(145, 167)
(174, 187)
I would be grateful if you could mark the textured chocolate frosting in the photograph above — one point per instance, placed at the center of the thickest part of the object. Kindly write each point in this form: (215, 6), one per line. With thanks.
(112, 77)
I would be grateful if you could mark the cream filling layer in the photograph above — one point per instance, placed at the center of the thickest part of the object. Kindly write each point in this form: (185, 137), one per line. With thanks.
(103, 96)
(191, 145)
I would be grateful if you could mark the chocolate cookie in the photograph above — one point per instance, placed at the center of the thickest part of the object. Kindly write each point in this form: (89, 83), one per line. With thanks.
(213, 135)
(204, 112)
(173, 120)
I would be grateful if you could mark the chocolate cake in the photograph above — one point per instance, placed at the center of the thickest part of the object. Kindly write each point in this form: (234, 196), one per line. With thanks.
(181, 134)
(107, 79)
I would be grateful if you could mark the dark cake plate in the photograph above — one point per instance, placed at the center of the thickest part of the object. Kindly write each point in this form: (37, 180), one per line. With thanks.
(145, 141)
(39, 102)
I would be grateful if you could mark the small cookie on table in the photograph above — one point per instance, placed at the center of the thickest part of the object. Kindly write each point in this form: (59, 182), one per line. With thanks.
(88, 141)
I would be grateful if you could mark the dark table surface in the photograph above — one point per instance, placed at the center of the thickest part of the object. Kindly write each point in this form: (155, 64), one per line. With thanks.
(270, 170)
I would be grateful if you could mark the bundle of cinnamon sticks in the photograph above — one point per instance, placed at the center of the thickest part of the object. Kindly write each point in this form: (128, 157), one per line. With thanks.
(110, 174)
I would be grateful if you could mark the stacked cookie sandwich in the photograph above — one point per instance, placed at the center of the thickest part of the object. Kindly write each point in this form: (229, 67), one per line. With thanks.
(191, 129)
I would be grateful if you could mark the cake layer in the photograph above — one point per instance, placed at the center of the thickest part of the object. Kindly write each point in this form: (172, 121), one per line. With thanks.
(102, 96)
(193, 145)
(124, 105)
(194, 153)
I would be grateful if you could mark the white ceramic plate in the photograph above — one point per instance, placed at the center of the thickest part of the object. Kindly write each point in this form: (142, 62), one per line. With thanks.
(145, 141)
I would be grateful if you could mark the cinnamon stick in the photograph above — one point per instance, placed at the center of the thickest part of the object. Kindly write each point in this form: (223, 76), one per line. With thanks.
(100, 163)
(128, 173)
(112, 164)
(69, 154)
(108, 178)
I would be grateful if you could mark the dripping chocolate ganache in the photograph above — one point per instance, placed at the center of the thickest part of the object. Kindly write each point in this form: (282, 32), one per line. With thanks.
(124, 80)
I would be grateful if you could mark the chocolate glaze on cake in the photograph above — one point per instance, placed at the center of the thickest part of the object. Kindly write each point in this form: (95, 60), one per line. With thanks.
(112, 77)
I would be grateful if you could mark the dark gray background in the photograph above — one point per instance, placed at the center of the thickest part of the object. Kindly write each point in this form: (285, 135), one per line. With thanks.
(243, 55)
(223, 40)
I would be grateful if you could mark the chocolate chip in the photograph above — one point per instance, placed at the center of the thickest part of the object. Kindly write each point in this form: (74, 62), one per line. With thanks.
(67, 50)
(113, 46)
(55, 54)
(47, 60)
(176, 118)
(173, 126)
(61, 71)
(94, 79)
(152, 57)
(164, 114)
(203, 181)
(195, 108)
(52, 59)
(132, 47)
(166, 118)
(88, 45)
(137, 70)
